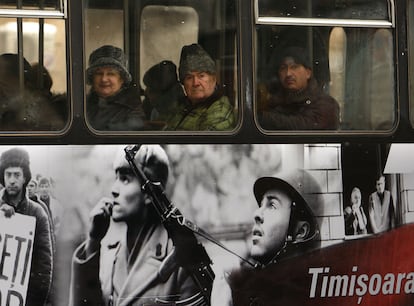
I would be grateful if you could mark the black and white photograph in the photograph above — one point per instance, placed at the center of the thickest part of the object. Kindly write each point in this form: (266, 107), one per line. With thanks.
(135, 224)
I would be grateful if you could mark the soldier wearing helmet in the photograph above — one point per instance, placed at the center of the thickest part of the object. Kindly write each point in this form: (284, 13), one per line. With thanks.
(285, 223)
(285, 226)
(133, 269)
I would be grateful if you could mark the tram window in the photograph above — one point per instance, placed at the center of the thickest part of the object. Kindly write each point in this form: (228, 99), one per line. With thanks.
(411, 57)
(347, 66)
(166, 44)
(338, 9)
(33, 73)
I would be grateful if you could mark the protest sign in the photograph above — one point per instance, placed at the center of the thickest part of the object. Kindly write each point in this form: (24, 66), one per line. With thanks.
(16, 246)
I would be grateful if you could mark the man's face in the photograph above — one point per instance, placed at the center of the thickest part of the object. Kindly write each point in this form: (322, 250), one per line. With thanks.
(199, 86)
(44, 190)
(356, 200)
(107, 81)
(31, 188)
(293, 76)
(128, 197)
(14, 180)
(271, 225)
(380, 185)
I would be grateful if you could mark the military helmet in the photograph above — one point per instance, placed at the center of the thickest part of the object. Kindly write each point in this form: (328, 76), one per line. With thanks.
(304, 191)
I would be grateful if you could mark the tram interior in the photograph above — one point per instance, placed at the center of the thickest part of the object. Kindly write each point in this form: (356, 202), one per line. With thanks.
(355, 65)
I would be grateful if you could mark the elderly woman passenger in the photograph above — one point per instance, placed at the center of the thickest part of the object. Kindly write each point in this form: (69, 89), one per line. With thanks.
(114, 103)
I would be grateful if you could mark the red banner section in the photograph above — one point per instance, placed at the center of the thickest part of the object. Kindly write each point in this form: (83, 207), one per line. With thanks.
(375, 271)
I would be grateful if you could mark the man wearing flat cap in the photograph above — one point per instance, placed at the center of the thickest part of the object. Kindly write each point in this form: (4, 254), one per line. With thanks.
(134, 268)
(205, 108)
(114, 103)
(15, 174)
(297, 102)
(285, 226)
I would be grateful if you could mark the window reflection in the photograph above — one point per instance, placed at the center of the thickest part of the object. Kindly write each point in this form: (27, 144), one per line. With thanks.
(33, 83)
(344, 9)
(354, 66)
(173, 43)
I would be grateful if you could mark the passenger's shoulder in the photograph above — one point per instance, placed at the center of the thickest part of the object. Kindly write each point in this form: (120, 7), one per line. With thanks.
(223, 103)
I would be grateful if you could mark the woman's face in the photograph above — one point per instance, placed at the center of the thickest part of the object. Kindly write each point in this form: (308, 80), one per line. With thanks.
(107, 81)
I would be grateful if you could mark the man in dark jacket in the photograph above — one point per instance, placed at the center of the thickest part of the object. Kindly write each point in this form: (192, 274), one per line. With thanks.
(297, 103)
(15, 174)
(114, 103)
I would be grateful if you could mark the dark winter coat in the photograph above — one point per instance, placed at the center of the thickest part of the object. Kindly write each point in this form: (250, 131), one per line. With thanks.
(309, 109)
(106, 276)
(121, 112)
(40, 280)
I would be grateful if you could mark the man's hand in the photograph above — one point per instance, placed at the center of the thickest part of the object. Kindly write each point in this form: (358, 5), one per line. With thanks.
(100, 218)
(7, 209)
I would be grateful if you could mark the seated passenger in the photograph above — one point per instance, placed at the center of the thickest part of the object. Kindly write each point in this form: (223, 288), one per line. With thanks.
(24, 106)
(113, 104)
(57, 106)
(206, 108)
(298, 103)
(163, 93)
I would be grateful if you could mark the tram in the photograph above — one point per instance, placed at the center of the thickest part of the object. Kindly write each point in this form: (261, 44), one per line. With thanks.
(359, 53)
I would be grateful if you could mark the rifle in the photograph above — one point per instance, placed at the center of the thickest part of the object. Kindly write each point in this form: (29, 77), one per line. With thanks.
(190, 254)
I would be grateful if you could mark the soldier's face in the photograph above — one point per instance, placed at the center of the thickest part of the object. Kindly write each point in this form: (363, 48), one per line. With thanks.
(128, 197)
(14, 180)
(293, 76)
(199, 86)
(271, 225)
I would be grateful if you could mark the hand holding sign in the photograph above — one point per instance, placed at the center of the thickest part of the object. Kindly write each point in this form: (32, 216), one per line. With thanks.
(16, 246)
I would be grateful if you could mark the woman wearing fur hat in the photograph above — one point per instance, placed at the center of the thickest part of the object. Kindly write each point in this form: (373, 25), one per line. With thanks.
(113, 104)
(205, 107)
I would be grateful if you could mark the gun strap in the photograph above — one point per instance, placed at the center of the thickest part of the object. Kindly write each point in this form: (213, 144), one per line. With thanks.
(199, 231)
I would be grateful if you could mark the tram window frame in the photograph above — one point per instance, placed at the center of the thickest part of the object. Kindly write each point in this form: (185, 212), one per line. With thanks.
(34, 9)
(410, 27)
(34, 27)
(263, 20)
(219, 54)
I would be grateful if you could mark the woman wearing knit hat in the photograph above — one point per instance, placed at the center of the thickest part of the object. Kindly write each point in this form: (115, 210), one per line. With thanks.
(113, 104)
(205, 108)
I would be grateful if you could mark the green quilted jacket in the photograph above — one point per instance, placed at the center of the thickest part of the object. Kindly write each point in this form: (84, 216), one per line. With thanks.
(214, 114)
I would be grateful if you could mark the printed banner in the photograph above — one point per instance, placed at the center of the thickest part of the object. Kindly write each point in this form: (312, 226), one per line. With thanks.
(16, 246)
(283, 224)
